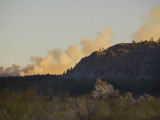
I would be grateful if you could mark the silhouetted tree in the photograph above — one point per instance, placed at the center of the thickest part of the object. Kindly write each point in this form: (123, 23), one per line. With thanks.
(158, 41)
(133, 42)
(151, 39)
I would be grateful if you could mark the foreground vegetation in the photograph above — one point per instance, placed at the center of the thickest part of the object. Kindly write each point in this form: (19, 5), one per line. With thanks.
(104, 103)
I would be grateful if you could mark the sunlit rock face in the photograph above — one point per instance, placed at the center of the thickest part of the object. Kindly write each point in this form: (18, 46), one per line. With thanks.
(126, 60)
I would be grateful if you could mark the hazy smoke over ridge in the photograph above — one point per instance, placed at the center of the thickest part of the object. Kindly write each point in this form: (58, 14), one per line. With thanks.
(150, 28)
(13, 70)
(56, 62)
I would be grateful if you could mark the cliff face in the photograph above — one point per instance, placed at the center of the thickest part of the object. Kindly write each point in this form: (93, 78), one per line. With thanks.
(125, 60)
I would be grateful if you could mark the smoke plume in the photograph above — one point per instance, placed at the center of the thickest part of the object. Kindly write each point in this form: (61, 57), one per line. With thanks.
(57, 61)
(150, 28)
(13, 70)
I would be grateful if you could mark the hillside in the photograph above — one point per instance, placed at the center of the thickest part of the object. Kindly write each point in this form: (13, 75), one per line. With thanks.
(121, 61)
(129, 67)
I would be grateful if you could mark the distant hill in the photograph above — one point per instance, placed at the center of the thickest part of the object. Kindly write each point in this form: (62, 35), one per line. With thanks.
(121, 61)
(129, 67)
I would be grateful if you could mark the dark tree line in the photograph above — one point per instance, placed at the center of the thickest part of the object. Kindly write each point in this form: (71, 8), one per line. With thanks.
(46, 83)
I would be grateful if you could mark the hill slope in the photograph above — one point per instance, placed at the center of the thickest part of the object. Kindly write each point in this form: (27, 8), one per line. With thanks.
(125, 60)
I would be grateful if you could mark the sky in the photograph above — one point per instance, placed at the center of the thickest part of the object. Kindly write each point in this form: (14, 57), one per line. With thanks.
(30, 30)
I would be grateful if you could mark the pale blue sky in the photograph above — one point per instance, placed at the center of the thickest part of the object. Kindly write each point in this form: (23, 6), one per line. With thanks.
(33, 27)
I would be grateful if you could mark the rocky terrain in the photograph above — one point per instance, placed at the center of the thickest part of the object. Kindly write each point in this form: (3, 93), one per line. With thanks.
(121, 61)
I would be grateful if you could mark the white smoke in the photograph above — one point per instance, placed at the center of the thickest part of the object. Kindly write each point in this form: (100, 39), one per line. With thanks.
(150, 28)
(56, 62)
